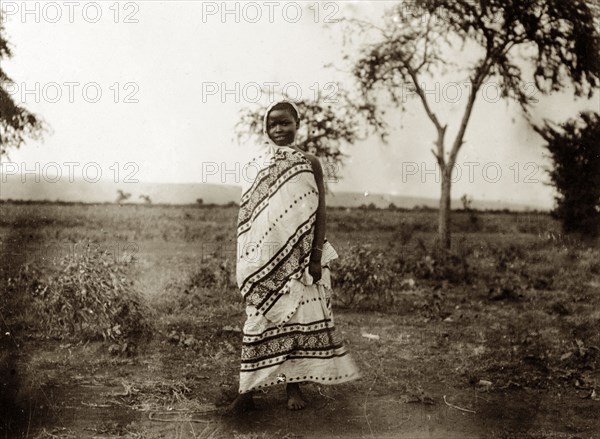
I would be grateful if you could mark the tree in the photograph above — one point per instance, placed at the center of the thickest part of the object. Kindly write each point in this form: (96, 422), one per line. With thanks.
(556, 38)
(575, 153)
(322, 130)
(146, 198)
(16, 123)
(467, 202)
(122, 196)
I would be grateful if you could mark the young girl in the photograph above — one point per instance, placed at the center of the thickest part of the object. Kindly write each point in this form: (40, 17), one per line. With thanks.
(283, 270)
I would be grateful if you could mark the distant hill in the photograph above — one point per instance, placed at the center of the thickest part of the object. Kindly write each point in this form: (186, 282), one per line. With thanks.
(11, 187)
(106, 191)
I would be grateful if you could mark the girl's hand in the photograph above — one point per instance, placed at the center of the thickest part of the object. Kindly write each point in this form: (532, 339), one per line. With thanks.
(314, 269)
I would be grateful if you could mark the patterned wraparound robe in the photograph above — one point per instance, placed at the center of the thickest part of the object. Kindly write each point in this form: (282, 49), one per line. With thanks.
(289, 334)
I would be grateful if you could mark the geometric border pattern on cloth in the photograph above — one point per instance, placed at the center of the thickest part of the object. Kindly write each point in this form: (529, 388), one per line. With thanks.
(287, 165)
(289, 262)
(317, 344)
(306, 348)
(263, 287)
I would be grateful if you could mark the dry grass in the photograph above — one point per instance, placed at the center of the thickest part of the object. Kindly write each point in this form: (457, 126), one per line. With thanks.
(513, 304)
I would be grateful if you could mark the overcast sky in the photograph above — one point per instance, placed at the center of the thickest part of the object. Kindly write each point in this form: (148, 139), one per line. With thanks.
(166, 64)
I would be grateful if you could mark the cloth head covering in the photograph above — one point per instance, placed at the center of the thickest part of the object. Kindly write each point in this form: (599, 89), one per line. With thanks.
(266, 116)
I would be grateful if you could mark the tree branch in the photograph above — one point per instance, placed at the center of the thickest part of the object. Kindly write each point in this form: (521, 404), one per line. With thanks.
(426, 44)
(421, 94)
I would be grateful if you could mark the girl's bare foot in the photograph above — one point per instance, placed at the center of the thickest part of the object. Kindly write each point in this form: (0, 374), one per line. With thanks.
(295, 399)
(240, 405)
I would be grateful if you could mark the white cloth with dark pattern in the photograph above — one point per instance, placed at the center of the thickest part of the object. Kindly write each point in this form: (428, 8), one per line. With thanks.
(289, 335)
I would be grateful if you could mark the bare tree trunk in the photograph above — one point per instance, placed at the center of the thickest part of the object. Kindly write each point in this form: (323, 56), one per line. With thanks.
(444, 213)
(447, 167)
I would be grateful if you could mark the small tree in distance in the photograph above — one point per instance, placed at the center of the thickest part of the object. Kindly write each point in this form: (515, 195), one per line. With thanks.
(122, 196)
(146, 198)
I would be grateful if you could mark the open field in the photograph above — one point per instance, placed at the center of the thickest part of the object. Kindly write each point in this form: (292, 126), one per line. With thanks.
(124, 321)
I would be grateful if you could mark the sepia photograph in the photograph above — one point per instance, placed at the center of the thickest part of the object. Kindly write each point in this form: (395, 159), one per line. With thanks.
(300, 219)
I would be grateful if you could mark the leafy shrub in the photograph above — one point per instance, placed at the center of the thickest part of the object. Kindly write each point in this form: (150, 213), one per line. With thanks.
(404, 233)
(590, 261)
(429, 262)
(575, 154)
(540, 277)
(364, 278)
(442, 266)
(474, 224)
(17, 289)
(212, 283)
(211, 274)
(515, 270)
(88, 298)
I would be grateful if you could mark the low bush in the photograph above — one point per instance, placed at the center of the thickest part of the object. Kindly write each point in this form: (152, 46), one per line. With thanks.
(364, 279)
(201, 299)
(374, 279)
(89, 297)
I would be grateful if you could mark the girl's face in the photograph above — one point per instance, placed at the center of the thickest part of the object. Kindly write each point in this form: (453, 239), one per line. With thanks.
(281, 127)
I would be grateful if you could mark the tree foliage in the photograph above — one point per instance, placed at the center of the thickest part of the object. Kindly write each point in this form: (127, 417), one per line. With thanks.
(575, 153)
(325, 125)
(16, 123)
(561, 39)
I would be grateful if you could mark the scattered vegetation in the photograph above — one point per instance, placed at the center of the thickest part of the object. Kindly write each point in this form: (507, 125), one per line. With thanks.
(87, 296)
(511, 306)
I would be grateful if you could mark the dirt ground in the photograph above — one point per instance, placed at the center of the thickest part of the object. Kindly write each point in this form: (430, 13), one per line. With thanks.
(87, 394)
(423, 376)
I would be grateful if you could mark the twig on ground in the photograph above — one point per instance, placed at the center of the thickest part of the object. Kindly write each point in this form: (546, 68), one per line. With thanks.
(152, 417)
(326, 396)
(457, 407)
(94, 405)
(481, 397)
